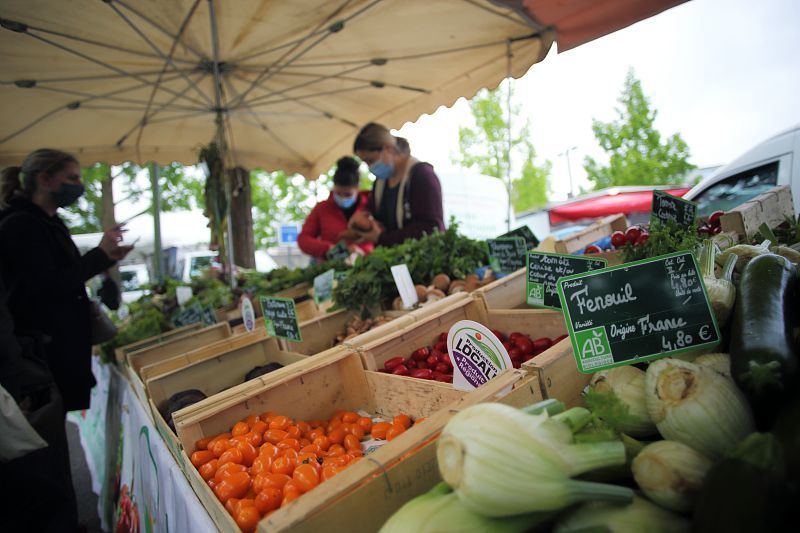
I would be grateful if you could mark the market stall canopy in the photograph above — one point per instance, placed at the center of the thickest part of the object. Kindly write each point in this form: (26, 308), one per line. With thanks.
(147, 80)
(610, 202)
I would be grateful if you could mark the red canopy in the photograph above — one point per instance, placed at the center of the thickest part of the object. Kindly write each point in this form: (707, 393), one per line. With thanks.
(600, 206)
(580, 21)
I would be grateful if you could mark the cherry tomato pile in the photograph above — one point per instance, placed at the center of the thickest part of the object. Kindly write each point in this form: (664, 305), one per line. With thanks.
(634, 235)
(433, 362)
(270, 460)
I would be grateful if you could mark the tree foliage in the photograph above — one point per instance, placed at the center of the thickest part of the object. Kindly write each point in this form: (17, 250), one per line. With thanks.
(278, 197)
(485, 149)
(637, 152)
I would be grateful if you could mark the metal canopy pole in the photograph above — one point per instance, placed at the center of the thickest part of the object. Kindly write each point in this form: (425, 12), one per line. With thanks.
(508, 133)
(220, 121)
(158, 254)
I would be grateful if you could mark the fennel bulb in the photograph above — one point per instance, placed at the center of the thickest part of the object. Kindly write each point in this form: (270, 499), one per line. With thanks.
(639, 516)
(616, 396)
(502, 461)
(718, 362)
(670, 474)
(721, 291)
(695, 405)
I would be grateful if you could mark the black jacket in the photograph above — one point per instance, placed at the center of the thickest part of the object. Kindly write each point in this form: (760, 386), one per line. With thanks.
(45, 275)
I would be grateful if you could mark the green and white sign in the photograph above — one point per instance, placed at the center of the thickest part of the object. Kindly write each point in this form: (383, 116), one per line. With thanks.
(280, 318)
(323, 286)
(545, 269)
(507, 255)
(638, 311)
(476, 353)
(193, 314)
(668, 208)
(525, 232)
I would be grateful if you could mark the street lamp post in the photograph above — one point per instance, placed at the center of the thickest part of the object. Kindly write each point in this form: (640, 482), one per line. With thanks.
(565, 153)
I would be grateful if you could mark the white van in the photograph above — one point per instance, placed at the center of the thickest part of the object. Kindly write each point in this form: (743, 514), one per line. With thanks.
(775, 161)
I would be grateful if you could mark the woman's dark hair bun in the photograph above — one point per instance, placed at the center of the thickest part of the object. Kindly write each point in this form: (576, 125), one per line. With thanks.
(346, 173)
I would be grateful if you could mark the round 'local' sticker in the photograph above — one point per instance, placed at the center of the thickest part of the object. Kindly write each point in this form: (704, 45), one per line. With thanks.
(476, 353)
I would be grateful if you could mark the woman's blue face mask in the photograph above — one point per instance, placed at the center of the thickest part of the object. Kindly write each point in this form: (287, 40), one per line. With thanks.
(381, 170)
(345, 202)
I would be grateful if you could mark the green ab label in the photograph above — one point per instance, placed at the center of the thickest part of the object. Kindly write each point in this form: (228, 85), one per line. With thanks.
(536, 294)
(595, 348)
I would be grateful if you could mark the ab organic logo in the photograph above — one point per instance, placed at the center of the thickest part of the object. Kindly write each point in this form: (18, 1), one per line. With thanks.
(594, 347)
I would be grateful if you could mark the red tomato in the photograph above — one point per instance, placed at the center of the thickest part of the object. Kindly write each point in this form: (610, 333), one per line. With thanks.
(392, 363)
(524, 345)
(642, 239)
(515, 353)
(632, 233)
(422, 373)
(441, 346)
(542, 344)
(420, 354)
(499, 334)
(618, 239)
(400, 370)
(432, 360)
(446, 378)
(443, 336)
(714, 218)
(442, 368)
(592, 249)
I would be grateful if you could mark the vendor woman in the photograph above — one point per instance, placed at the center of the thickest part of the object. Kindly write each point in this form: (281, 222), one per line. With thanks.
(327, 222)
(406, 199)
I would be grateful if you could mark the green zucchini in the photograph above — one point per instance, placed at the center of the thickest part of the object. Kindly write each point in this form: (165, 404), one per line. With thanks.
(763, 359)
(746, 491)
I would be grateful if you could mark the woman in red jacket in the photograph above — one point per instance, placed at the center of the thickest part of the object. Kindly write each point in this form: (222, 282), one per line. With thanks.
(325, 224)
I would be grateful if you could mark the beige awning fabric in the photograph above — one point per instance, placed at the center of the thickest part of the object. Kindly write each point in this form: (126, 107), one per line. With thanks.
(133, 80)
(580, 21)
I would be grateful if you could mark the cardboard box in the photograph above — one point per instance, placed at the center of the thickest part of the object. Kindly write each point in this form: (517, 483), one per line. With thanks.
(771, 207)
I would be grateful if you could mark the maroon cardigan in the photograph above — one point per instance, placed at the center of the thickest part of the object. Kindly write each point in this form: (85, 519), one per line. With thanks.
(422, 210)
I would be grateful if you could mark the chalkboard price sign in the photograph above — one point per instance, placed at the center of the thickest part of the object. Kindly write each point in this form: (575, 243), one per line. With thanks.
(507, 255)
(193, 314)
(668, 208)
(280, 317)
(544, 270)
(636, 312)
(525, 232)
(323, 286)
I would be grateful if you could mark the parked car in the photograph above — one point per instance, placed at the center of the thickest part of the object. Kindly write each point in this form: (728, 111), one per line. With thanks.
(775, 161)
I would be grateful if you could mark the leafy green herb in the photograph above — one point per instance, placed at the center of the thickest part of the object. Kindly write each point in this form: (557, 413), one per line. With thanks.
(665, 238)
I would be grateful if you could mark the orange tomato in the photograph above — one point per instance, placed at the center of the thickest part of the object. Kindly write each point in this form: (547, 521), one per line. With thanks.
(202, 444)
(365, 423)
(201, 457)
(230, 505)
(212, 483)
(269, 450)
(251, 420)
(335, 449)
(208, 470)
(311, 448)
(322, 442)
(304, 442)
(260, 427)
(242, 503)
(402, 420)
(337, 436)
(294, 432)
(351, 442)
(275, 435)
(394, 431)
(282, 465)
(247, 519)
(305, 427)
(253, 438)
(333, 424)
(219, 446)
(225, 470)
(280, 422)
(261, 465)
(289, 443)
(235, 485)
(357, 432)
(290, 495)
(248, 451)
(380, 430)
(338, 460)
(276, 481)
(350, 417)
(306, 457)
(291, 454)
(268, 500)
(328, 471)
(305, 477)
(231, 455)
(240, 428)
(314, 434)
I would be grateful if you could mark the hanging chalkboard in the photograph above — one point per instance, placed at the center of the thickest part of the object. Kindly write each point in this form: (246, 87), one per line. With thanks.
(544, 270)
(193, 314)
(280, 317)
(525, 232)
(507, 255)
(668, 208)
(638, 311)
(338, 252)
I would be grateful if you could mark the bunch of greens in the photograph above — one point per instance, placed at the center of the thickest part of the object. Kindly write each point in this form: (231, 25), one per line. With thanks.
(370, 282)
(283, 278)
(665, 238)
(145, 320)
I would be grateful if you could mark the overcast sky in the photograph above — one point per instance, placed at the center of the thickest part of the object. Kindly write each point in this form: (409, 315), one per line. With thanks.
(725, 74)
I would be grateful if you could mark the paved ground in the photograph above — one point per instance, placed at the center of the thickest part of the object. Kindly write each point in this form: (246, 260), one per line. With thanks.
(87, 500)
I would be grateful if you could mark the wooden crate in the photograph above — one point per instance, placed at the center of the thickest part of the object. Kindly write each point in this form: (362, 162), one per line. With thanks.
(505, 293)
(122, 351)
(771, 207)
(558, 374)
(596, 231)
(534, 322)
(373, 490)
(313, 389)
(191, 340)
(212, 373)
